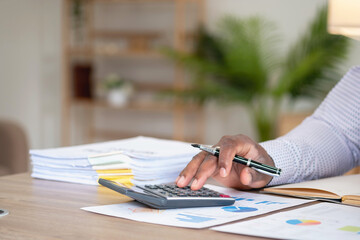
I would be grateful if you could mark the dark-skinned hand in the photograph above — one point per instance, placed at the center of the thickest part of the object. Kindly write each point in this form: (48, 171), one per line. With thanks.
(223, 169)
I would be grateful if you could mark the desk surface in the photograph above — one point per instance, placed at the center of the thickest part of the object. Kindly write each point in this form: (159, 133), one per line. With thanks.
(41, 209)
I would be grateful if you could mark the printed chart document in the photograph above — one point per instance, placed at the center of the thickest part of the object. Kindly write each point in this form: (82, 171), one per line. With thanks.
(328, 221)
(343, 188)
(246, 205)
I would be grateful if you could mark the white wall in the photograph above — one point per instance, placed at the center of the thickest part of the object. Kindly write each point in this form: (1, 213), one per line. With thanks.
(30, 61)
(30, 67)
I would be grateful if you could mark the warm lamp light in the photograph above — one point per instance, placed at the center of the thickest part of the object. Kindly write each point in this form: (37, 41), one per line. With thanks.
(344, 18)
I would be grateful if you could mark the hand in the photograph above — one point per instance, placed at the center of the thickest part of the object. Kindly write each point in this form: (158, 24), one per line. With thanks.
(223, 169)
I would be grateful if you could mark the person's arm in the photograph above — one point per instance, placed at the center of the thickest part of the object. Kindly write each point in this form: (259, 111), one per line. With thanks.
(326, 143)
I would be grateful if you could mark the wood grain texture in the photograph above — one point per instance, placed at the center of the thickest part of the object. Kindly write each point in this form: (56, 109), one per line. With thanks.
(41, 209)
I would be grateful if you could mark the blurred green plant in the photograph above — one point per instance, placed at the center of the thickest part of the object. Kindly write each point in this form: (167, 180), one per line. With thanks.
(78, 21)
(113, 81)
(241, 63)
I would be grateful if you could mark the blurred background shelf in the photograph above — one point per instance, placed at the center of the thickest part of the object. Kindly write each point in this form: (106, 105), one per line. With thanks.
(123, 38)
(113, 52)
(154, 106)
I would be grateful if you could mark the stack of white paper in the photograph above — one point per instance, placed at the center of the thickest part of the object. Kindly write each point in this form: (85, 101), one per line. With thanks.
(140, 160)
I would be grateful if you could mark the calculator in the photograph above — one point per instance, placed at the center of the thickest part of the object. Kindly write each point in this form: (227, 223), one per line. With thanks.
(166, 196)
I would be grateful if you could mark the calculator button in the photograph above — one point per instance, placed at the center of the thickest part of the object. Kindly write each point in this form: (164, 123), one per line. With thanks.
(175, 191)
(224, 195)
(181, 195)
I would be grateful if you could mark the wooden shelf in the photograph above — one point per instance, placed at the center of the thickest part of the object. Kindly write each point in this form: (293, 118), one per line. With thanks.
(129, 35)
(141, 1)
(114, 52)
(149, 106)
(100, 47)
(150, 86)
(114, 135)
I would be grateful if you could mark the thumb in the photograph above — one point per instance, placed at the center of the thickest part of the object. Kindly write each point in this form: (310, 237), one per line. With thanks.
(246, 176)
(252, 179)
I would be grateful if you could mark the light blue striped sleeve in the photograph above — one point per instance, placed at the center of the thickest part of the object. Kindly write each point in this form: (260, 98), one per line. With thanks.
(325, 144)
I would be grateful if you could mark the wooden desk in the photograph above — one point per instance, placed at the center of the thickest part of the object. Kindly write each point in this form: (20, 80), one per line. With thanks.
(41, 209)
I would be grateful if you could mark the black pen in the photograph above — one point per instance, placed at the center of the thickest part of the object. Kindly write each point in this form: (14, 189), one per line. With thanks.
(262, 168)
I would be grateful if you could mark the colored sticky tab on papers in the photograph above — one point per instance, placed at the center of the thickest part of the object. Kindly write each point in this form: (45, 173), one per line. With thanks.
(114, 166)
(111, 166)
(114, 171)
(109, 159)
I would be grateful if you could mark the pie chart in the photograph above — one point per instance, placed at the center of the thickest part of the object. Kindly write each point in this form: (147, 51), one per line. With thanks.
(302, 222)
(239, 209)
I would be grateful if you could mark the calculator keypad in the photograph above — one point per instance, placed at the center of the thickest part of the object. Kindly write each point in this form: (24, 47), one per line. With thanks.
(172, 190)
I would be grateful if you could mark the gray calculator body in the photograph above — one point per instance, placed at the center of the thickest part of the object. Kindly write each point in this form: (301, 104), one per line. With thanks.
(167, 196)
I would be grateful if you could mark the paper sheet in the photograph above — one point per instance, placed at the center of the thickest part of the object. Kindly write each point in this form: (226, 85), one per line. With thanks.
(320, 221)
(151, 160)
(108, 158)
(145, 148)
(246, 205)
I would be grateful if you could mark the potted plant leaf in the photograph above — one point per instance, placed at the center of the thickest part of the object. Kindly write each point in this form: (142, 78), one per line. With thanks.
(240, 62)
(118, 90)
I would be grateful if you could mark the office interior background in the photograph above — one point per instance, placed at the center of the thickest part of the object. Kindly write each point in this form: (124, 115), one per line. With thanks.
(35, 62)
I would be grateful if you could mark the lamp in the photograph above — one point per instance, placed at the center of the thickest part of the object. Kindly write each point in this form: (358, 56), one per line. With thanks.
(344, 18)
